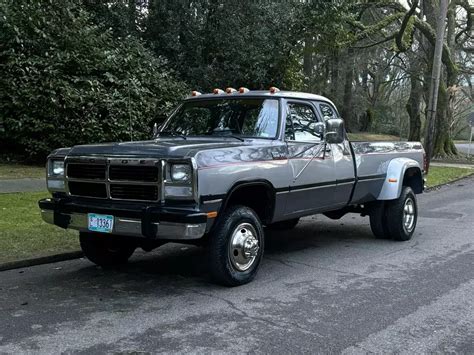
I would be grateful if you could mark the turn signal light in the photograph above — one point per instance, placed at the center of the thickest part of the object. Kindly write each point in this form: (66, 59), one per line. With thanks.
(230, 90)
(243, 90)
(274, 90)
(195, 93)
(218, 91)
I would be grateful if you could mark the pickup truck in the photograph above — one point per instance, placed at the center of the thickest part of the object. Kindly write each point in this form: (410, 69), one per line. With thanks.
(224, 168)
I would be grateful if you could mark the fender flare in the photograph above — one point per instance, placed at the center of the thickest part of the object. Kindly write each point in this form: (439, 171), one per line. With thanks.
(247, 183)
(392, 186)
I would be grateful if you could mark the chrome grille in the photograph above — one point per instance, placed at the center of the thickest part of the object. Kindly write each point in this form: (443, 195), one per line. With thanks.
(113, 178)
(134, 192)
(133, 173)
(87, 189)
(86, 171)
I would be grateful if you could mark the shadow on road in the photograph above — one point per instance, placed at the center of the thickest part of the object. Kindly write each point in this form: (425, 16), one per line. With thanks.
(181, 265)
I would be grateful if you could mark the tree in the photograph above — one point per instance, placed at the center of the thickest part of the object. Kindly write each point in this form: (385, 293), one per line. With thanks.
(435, 81)
(66, 81)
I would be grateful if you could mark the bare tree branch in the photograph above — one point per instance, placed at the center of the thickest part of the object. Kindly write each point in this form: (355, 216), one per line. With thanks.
(399, 38)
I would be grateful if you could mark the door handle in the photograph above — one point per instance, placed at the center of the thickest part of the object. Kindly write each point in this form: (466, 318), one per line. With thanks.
(278, 155)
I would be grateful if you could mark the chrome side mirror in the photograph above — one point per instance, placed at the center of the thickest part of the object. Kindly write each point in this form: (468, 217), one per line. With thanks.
(320, 129)
(335, 131)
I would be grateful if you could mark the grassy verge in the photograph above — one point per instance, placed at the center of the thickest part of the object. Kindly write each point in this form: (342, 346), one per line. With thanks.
(369, 137)
(439, 175)
(19, 171)
(23, 234)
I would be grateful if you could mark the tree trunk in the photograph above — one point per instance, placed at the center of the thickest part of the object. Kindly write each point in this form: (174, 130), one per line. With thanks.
(335, 76)
(434, 85)
(347, 109)
(413, 108)
(308, 61)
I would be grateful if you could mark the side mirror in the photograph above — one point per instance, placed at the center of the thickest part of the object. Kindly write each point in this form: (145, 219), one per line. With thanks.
(335, 131)
(320, 129)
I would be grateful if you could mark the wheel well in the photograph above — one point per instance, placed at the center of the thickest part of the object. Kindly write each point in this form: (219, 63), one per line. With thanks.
(259, 197)
(413, 179)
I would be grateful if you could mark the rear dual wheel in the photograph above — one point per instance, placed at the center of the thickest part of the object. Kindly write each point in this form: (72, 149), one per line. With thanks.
(395, 219)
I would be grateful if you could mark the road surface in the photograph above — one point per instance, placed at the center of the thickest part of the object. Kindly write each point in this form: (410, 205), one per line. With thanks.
(22, 185)
(464, 147)
(327, 286)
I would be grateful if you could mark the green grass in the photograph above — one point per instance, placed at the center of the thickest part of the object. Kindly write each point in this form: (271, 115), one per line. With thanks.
(19, 171)
(441, 174)
(23, 234)
(368, 137)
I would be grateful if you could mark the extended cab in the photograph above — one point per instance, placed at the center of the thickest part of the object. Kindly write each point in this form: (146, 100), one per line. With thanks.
(221, 168)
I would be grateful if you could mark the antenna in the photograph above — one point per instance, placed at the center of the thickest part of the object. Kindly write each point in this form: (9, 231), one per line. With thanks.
(130, 115)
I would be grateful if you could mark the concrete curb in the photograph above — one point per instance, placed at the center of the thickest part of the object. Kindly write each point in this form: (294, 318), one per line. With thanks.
(433, 188)
(41, 260)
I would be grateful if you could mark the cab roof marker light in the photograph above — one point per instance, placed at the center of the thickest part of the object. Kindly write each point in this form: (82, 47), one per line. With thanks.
(218, 91)
(230, 90)
(274, 90)
(243, 90)
(195, 93)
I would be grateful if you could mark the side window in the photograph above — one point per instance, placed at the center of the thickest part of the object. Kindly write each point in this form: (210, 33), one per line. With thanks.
(327, 111)
(300, 123)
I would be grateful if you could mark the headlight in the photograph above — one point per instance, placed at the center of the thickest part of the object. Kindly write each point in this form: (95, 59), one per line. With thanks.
(181, 172)
(56, 168)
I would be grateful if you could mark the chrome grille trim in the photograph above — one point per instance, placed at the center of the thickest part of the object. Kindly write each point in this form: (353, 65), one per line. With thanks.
(106, 163)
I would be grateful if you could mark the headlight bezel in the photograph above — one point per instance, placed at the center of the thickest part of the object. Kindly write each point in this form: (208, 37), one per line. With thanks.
(184, 170)
(180, 188)
(56, 164)
(55, 175)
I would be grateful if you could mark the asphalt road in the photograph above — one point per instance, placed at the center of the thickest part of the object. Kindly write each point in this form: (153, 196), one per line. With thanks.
(22, 185)
(464, 147)
(327, 286)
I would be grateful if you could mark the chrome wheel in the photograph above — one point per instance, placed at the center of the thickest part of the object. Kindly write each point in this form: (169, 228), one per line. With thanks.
(243, 247)
(409, 215)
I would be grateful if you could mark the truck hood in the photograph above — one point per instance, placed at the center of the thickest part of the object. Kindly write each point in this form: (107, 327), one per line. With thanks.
(158, 148)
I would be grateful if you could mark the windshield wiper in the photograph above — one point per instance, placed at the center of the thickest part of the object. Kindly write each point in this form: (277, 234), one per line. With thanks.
(171, 134)
(226, 131)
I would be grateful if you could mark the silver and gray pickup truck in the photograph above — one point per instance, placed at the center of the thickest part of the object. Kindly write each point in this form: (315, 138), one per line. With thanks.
(222, 169)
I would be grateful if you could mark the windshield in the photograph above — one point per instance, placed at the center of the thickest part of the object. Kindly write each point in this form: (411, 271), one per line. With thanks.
(231, 117)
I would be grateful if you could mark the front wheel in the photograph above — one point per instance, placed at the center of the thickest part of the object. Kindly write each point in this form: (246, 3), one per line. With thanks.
(236, 246)
(402, 215)
(106, 250)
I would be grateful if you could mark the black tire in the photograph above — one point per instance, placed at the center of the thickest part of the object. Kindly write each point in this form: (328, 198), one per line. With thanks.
(401, 224)
(284, 225)
(222, 256)
(378, 221)
(106, 250)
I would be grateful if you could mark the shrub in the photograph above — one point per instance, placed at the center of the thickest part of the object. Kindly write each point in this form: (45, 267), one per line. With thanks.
(66, 81)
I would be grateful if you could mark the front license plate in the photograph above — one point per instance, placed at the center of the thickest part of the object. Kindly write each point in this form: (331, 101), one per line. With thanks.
(100, 223)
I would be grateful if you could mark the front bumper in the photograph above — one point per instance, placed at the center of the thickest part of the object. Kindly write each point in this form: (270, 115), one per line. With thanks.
(153, 222)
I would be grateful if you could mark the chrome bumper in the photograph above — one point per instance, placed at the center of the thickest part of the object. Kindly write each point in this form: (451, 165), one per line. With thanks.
(133, 227)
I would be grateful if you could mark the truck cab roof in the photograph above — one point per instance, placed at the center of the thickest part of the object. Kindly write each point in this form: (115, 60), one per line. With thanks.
(263, 93)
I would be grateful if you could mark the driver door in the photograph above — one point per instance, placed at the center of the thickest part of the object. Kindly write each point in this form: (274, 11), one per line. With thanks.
(313, 179)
